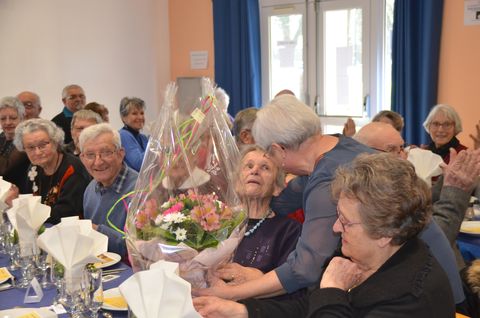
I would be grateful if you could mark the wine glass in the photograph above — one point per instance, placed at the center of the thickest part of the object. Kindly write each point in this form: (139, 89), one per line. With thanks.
(42, 264)
(93, 290)
(12, 251)
(56, 277)
(26, 253)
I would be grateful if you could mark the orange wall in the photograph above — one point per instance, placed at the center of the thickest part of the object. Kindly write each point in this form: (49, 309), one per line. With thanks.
(191, 29)
(459, 84)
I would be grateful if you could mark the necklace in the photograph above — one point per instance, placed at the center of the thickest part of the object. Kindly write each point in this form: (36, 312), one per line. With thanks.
(256, 226)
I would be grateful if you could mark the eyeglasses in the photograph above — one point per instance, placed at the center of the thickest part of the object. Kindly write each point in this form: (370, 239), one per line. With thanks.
(28, 105)
(41, 146)
(5, 118)
(81, 96)
(395, 149)
(103, 155)
(345, 225)
(445, 125)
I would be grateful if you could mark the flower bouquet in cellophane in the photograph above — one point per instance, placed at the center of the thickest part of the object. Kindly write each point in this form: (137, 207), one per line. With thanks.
(185, 208)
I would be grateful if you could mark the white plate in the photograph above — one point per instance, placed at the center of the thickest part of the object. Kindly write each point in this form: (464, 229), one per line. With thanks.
(18, 312)
(108, 259)
(470, 227)
(114, 292)
(2, 280)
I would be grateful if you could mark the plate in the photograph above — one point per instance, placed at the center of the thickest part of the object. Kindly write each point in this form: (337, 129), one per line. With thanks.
(113, 300)
(108, 259)
(470, 227)
(24, 312)
(4, 275)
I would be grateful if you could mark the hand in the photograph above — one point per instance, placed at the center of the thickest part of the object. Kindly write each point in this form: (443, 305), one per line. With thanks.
(217, 288)
(12, 193)
(476, 139)
(235, 274)
(349, 128)
(214, 307)
(341, 273)
(463, 169)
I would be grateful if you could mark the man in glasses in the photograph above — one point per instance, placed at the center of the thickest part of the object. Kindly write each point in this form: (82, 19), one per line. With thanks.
(104, 200)
(32, 104)
(73, 98)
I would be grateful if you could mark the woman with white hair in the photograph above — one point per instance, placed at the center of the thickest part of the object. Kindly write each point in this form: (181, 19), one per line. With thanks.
(13, 163)
(59, 178)
(443, 124)
(292, 134)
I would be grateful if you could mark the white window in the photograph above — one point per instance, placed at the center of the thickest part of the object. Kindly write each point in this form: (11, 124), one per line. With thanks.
(333, 54)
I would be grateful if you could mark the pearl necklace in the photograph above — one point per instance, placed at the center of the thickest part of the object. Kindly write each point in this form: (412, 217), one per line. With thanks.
(256, 226)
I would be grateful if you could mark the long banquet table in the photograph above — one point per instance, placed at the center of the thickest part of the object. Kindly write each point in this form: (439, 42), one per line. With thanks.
(14, 297)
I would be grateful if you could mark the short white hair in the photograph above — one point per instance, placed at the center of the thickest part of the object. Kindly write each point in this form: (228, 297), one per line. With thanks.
(15, 103)
(54, 132)
(286, 121)
(449, 112)
(94, 131)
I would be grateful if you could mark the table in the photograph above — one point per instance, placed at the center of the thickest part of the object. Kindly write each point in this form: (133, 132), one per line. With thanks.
(14, 297)
(469, 245)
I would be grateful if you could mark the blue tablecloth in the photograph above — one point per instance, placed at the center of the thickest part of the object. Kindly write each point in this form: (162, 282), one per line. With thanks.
(469, 245)
(14, 297)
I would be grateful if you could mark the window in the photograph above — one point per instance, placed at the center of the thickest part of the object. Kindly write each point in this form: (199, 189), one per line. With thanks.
(335, 55)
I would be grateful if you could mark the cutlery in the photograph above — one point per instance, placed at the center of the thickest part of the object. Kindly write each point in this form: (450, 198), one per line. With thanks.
(113, 271)
(6, 286)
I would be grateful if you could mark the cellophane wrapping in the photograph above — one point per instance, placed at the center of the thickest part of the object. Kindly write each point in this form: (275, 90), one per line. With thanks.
(185, 208)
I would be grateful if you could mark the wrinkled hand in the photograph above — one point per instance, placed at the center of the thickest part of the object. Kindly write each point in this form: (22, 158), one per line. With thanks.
(341, 273)
(214, 307)
(349, 128)
(463, 169)
(217, 288)
(476, 139)
(235, 274)
(12, 193)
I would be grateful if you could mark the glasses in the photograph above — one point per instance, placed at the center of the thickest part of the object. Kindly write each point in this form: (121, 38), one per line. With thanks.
(103, 155)
(28, 105)
(395, 149)
(41, 146)
(5, 118)
(81, 96)
(345, 225)
(445, 125)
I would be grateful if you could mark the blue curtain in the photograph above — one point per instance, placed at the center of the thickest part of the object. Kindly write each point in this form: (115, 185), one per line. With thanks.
(236, 25)
(415, 53)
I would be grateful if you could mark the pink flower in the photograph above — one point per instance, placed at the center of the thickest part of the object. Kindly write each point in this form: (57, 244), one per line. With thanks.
(141, 219)
(210, 222)
(173, 209)
(226, 213)
(151, 209)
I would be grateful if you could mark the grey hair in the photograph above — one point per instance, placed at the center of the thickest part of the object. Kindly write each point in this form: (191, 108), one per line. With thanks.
(286, 121)
(449, 112)
(54, 132)
(67, 88)
(86, 114)
(244, 120)
(94, 131)
(15, 103)
(127, 103)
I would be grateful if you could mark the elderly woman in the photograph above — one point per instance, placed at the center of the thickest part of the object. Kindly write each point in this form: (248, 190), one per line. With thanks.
(81, 119)
(385, 270)
(291, 131)
(133, 117)
(269, 237)
(443, 124)
(59, 178)
(13, 163)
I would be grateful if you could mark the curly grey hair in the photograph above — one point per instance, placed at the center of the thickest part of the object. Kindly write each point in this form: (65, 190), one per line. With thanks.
(15, 103)
(54, 132)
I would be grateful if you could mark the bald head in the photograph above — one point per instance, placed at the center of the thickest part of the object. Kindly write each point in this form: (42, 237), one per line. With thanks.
(32, 104)
(381, 136)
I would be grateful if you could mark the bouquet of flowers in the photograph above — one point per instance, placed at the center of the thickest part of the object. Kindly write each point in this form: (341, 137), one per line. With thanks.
(185, 208)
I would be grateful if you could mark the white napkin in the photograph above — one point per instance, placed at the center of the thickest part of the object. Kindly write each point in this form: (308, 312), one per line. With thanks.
(4, 187)
(159, 292)
(73, 243)
(27, 215)
(426, 163)
(27, 312)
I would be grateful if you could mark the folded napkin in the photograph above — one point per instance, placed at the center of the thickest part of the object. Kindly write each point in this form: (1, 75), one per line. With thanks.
(73, 243)
(159, 292)
(4, 187)
(27, 313)
(27, 215)
(426, 163)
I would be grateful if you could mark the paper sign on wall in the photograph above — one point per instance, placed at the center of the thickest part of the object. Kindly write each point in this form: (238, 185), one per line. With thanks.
(472, 12)
(198, 60)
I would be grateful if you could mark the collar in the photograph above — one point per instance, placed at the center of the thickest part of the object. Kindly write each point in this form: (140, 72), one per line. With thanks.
(130, 129)
(67, 112)
(445, 149)
(117, 184)
(196, 179)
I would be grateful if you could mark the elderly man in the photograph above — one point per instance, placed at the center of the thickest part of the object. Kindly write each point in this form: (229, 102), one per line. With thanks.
(32, 104)
(73, 98)
(81, 120)
(104, 200)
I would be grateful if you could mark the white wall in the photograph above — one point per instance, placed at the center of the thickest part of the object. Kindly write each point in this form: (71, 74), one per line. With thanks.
(112, 48)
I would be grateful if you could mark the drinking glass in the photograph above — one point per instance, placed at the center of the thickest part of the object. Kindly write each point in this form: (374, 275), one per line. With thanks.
(42, 264)
(93, 290)
(26, 254)
(56, 277)
(12, 251)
